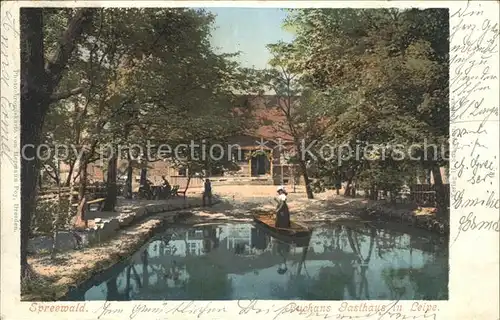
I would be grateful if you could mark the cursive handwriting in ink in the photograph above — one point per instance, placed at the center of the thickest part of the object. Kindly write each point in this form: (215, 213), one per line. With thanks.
(6, 104)
(194, 308)
(357, 311)
(474, 43)
(482, 170)
(491, 201)
(106, 310)
(7, 108)
(469, 223)
(9, 25)
(247, 307)
(145, 309)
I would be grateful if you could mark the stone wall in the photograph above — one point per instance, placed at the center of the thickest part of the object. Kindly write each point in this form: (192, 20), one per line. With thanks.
(105, 228)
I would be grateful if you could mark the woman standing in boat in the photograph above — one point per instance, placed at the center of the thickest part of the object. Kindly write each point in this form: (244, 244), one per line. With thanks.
(282, 212)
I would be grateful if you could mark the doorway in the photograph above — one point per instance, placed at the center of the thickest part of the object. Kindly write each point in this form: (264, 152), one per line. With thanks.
(259, 165)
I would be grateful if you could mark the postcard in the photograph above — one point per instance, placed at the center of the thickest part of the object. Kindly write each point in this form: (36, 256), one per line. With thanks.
(253, 159)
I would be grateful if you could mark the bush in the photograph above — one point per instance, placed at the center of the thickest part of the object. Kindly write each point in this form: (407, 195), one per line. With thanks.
(387, 179)
(47, 211)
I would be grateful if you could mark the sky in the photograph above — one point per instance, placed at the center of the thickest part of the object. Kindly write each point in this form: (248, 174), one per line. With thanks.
(249, 30)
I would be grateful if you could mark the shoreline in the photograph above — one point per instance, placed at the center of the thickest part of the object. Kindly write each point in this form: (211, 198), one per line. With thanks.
(55, 279)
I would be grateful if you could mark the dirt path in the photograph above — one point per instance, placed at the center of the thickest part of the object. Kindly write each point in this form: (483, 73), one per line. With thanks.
(239, 202)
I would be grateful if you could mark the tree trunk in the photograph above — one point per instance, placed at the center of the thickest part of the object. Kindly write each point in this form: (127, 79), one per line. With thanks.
(303, 168)
(30, 134)
(70, 173)
(353, 190)
(187, 183)
(82, 189)
(71, 198)
(128, 186)
(40, 178)
(37, 85)
(80, 223)
(367, 193)
(111, 189)
(55, 223)
(144, 176)
(33, 103)
(441, 204)
(348, 188)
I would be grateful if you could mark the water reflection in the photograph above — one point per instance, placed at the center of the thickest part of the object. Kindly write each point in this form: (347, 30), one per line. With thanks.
(240, 261)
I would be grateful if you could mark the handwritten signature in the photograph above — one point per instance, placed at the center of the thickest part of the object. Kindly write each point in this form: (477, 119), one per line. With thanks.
(469, 223)
(7, 106)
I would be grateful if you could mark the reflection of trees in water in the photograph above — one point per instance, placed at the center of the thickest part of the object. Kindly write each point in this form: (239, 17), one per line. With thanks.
(145, 271)
(395, 281)
(344, 278)
(430, 288)
(389, 242)
(206, 281)
(296, 282)
(112, 290)
(113, 293)
(428, 282)
(333, 281)
(362, 262)
(424, 286)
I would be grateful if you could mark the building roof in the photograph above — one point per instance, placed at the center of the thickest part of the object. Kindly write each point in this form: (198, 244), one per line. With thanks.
(270, 122)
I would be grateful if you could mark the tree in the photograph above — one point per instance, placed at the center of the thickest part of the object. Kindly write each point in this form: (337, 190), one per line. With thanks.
(393, 64)
(308, 113)
(39, 80)
(110, 63)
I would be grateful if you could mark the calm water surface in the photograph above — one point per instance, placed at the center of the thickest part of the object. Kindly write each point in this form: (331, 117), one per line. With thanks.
(241, 261)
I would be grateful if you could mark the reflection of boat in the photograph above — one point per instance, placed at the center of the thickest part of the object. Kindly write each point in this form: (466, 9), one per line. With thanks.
(298, 234)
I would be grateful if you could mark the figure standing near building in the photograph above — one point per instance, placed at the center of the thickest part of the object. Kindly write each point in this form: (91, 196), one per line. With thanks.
(166, 188)
(207, 192)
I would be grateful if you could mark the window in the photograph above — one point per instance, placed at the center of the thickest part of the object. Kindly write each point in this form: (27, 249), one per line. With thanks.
(192, 248)
(182, 172)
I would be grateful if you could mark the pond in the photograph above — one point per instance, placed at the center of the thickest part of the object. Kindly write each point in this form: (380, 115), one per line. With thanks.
(241, 261)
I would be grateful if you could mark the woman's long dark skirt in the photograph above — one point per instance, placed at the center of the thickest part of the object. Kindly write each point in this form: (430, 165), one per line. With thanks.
(283, 219)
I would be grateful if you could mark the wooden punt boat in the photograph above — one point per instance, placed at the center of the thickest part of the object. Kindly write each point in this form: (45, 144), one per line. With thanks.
(298, 233)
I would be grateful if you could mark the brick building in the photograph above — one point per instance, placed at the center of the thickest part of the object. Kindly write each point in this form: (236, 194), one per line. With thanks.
(260, 153)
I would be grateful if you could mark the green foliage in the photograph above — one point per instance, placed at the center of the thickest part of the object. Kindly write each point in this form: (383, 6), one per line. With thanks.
(50, 214)
(391, 68)
(146, 74)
